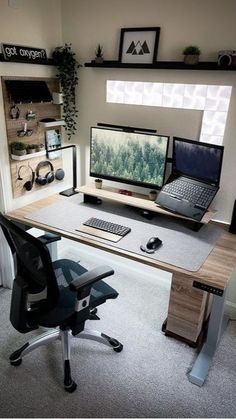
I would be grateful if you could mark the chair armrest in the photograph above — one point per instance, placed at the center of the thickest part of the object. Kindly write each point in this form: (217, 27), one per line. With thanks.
(88, 278)
(49, 238)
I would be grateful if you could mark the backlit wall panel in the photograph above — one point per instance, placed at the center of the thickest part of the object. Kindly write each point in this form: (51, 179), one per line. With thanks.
(212, 100)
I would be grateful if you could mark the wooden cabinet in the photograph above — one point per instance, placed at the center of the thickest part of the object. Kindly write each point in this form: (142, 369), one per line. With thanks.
(187, 311)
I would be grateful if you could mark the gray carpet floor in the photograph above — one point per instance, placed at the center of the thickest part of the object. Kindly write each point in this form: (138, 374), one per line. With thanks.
(147, 379)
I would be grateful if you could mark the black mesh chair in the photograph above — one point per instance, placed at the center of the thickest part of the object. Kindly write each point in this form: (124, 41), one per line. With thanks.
(61, 295)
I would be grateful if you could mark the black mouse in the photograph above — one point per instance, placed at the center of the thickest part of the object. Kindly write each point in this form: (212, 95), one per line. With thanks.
(153, 243)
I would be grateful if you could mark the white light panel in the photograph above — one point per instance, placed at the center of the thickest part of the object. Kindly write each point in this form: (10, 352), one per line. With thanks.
(212, 100)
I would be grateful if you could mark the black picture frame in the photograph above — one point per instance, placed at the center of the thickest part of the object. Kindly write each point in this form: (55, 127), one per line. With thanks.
(139, 45)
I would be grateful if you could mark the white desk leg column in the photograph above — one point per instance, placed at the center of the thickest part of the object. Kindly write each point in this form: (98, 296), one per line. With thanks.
(217, 324)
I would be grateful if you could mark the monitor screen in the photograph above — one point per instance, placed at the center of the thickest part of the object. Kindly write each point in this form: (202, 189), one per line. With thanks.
(136, 158)
(198, 160)
(26, 91)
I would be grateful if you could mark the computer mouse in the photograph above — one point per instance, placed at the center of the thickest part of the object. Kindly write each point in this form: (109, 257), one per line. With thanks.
(153, 243)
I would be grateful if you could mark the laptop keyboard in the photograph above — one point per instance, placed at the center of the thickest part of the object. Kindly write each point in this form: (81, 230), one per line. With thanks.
(118, 229)
(191, 192)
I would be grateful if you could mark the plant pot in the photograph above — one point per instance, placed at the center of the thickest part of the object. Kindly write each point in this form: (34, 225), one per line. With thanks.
(39, 149)
(31, 151)
(18, 152)
(191, 59)
(152, 195)
(98, 60)
(98, 183)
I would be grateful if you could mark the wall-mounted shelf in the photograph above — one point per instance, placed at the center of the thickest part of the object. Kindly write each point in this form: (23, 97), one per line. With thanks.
(163, 65)
(49, 61)
(52, 124)
(28, 156)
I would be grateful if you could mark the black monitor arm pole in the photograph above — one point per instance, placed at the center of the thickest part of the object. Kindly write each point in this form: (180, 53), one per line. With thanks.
(70, 191)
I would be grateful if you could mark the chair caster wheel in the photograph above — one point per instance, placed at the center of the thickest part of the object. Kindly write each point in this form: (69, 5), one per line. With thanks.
(118, 348)
(71, 388)
(16, 363)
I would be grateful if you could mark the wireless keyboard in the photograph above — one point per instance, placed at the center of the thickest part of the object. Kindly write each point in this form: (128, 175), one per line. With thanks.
(118, 229)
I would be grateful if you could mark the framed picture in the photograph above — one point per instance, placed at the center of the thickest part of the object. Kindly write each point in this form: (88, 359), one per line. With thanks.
(139, 45)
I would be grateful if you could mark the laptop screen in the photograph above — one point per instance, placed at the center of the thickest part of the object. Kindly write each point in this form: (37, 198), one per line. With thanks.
(198, 160)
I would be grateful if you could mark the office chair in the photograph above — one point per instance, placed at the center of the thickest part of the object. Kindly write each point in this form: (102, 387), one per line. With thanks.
(65, 296)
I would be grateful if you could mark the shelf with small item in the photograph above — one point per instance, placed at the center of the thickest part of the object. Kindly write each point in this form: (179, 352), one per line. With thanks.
(51, 123)
(49, 61)
(28, 155)
(163, 65)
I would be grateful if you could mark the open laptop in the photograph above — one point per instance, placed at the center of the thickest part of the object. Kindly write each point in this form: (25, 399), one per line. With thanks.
(195, 178)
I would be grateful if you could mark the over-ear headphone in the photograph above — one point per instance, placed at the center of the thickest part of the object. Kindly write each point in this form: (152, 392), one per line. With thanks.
(48, 177)
(29, 184)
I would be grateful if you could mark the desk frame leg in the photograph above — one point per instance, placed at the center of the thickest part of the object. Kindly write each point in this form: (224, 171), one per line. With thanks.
(217, 324)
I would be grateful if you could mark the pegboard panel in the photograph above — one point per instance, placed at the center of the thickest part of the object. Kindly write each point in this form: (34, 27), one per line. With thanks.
(29, 163)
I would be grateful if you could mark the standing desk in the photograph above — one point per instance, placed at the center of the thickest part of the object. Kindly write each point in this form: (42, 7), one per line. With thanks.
(189, 290)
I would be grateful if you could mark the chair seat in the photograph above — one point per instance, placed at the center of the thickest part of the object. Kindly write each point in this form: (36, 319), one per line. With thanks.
(67, 270)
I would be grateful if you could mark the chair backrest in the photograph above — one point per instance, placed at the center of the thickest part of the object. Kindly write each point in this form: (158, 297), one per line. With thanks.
(34, 274)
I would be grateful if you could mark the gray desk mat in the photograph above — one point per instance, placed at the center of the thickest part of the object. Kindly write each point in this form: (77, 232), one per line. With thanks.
(181, 246)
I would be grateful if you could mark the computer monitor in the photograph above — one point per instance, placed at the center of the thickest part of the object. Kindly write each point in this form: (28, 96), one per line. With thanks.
(197, 160)
(136, 158)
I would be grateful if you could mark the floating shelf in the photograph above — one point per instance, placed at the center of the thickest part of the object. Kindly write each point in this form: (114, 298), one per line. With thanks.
(28, 156)
(159, 65)
(51, 124)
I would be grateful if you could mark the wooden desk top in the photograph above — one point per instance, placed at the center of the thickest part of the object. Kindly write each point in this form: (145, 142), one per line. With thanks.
(215, 271)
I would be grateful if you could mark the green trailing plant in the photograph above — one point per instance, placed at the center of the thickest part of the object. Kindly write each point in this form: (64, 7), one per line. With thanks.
(191, 50)
(67, 67)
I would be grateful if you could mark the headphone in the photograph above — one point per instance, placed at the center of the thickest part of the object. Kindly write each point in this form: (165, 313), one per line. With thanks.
(29, 184)
(14, 112)
(50, 176)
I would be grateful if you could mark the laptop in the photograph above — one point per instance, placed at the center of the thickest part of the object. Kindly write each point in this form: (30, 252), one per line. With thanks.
(194, 180)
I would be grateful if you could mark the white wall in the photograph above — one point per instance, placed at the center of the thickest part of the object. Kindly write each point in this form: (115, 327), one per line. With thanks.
(208, 23)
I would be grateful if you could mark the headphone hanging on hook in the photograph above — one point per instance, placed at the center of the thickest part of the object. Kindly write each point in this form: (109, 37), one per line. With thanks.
(28, 185)
(14, 112)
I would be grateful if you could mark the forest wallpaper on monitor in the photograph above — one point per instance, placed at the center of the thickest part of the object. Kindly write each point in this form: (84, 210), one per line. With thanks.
(135, 157)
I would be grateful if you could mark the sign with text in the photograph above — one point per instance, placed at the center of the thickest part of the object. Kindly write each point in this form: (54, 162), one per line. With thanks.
(21, 54)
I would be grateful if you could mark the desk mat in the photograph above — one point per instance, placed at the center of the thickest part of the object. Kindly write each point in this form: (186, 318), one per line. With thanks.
(181, 246)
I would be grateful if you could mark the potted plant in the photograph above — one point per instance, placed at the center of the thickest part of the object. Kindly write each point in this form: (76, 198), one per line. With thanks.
(99, 54)
(31, 148)
(39, 147)
(191, 55)
(152, 195)
(67, 67)
(98, 183)
(18, 148)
